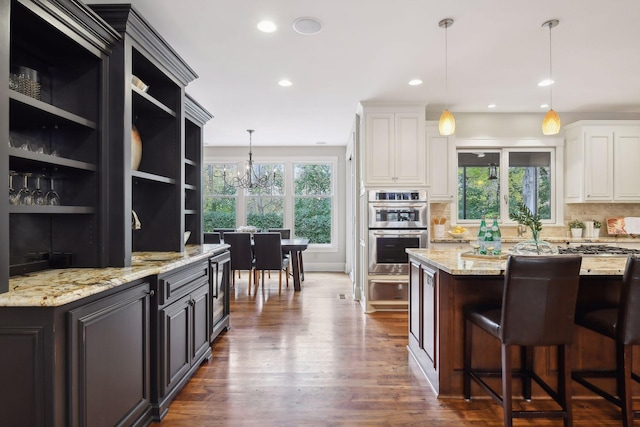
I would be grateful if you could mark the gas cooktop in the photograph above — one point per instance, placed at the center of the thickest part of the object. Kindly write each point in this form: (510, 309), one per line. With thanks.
(591, 250)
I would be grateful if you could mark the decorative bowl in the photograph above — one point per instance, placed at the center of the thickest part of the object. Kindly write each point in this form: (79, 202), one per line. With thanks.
(458, 235)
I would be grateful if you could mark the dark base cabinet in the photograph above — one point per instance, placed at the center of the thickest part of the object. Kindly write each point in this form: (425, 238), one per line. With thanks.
(82, 364)
(110, 360)
(182, 331)
(220, 279)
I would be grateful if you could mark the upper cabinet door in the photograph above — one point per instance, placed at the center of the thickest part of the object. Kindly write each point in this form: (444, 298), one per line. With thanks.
(626, 158)
(394, 147)
(601, 161)
(441, 157)
(598, 162)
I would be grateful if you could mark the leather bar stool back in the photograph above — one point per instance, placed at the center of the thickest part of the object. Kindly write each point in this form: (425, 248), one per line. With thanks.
(538, 306)
(621, 324)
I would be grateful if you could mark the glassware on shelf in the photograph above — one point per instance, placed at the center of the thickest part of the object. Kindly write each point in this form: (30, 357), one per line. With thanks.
(25, 195)
(52, 197)
(13, 194)
(38, 195)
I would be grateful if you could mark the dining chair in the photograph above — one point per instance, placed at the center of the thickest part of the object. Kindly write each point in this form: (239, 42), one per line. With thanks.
(268, 256)
(620, 323)
(538, 306)
(212, 237)
(241, 253)
(286, 234)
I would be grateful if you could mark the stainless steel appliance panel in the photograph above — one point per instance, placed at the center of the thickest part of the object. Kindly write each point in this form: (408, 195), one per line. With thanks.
(388, 291)
(387, 249)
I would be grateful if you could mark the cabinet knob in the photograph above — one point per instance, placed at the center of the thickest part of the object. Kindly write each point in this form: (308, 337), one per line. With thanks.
(151, 293)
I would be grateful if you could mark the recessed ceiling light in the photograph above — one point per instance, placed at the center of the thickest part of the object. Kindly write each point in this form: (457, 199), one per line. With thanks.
(491, 106)
(415, 82)
(545, 82)
(544, 105)
(321, 142)
(307, 26)
(267, 26)
(285, 83)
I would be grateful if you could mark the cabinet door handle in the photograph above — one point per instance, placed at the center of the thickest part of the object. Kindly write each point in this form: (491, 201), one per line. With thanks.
(151, 293)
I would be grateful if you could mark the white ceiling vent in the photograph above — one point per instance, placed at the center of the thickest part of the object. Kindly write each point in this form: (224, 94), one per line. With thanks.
(307, 26)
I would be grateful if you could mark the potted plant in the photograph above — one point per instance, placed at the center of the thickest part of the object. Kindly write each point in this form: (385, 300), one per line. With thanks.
(523, 215)
(576, 227)
(597, 225)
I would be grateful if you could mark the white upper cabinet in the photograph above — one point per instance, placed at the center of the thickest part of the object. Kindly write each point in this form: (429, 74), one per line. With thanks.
(394, 145)
(441, 154)
(601, 161)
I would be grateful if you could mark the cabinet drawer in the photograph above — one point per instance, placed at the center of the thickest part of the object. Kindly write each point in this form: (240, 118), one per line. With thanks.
(178, 283)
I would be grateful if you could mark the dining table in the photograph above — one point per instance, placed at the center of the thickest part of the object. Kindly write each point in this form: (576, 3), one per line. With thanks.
(294, 247)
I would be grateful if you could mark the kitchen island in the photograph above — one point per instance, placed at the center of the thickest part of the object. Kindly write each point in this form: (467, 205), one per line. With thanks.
(109, 346)
(443, 281)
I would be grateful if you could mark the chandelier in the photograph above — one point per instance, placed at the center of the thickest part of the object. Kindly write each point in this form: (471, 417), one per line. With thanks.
(250, 179)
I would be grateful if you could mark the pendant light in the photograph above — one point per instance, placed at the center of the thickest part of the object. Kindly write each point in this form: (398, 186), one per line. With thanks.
(447, 123)
(551, 121)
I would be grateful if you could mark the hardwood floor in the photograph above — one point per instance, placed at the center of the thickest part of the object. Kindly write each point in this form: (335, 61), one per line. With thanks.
(313, 358)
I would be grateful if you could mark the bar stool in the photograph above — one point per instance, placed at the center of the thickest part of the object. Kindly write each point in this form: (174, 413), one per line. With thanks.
(621, 324)
(538, 305)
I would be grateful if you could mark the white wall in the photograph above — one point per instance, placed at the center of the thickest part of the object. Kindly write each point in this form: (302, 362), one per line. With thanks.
(313, 260)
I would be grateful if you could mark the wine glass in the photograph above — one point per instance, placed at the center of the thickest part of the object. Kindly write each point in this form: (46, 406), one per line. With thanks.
(52, 197)
(13, 194)
(38, 195)
(25, 195)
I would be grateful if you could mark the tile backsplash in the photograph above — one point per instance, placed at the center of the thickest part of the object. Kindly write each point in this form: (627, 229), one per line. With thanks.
(581, 211)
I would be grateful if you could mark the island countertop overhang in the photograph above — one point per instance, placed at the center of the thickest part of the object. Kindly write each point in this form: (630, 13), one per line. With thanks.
(453, 262)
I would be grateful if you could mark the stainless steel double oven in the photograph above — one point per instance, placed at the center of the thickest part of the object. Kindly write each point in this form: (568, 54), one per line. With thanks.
(398, 219)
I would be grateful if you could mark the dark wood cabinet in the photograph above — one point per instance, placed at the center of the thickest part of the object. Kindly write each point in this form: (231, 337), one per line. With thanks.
(219, 279)
(423, 317)
(55, 121)
(110, 374)
(157, 110)
(83, 363)
(195, 118)
(182, 332)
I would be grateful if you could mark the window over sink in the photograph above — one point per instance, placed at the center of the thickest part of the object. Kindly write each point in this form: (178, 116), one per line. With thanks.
(493, 178)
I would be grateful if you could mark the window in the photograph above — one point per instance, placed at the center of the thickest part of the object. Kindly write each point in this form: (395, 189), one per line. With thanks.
(265, 207)
(490, 182)
(302, 199)
(313, 195)
(218, 199)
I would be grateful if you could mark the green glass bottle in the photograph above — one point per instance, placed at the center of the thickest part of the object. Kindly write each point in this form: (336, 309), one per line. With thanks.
(488, 241)
(497, 237)
(482, 230)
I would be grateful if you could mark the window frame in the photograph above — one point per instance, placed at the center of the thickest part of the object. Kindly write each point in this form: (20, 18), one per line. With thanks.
(553, 145)
(288, 164)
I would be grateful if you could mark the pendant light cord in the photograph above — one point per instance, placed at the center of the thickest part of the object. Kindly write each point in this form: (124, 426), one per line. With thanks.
(550, 73)
(446, 67)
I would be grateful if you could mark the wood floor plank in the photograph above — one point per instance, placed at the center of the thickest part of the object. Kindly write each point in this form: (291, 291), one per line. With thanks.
(310, 358)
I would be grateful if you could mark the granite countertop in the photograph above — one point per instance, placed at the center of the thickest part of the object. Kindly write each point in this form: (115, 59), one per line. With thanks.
(50, 288)
(453, 262)
(617, 240)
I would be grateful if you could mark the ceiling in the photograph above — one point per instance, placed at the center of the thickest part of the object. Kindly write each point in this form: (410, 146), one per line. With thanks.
(368, 50)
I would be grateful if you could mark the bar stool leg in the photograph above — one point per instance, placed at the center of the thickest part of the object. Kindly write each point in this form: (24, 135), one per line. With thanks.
(467, 359)
(564, 382)
(526, 357)
(625, 363)
(506, 385)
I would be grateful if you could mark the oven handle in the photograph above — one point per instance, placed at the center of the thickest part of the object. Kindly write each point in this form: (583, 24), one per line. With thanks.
(400, 205)
(403, 233)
